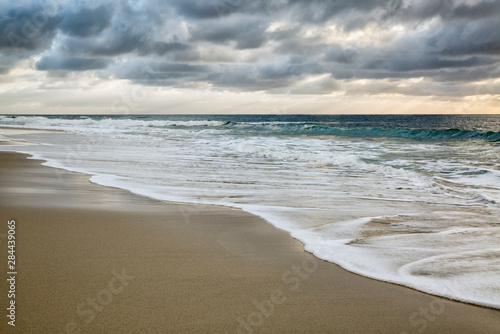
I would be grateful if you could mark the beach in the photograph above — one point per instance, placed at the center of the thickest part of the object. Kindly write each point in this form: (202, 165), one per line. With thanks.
(250, 167)
(94, 259)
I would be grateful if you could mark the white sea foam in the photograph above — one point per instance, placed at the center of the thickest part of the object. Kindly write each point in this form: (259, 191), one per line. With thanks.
(404, 212)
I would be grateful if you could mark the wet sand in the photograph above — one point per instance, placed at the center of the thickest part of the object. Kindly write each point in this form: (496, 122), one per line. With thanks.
(92, 259)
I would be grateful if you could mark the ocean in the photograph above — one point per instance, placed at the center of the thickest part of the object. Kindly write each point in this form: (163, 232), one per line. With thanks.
(412, 200)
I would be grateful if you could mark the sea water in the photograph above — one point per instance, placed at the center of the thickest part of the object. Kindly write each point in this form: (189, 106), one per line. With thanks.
(413, 200)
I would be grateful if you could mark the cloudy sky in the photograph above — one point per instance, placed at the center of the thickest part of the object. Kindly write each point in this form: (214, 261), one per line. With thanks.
(250, 56)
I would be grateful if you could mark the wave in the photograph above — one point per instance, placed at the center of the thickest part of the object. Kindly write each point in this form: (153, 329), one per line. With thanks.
(261, 127)
(102, 123)
(421, 134)
(372, 132)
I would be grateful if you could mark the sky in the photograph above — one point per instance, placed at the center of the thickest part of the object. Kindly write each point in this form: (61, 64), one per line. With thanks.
(250, 56)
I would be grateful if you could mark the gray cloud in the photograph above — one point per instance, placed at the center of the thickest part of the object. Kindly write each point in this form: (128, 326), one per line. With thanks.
(159, 73)
(70, 64)
(478, 10)
(29, 28)
(86, 21)
(200, 9)
(247, 33)
(404, 64)
(463, 37)
(275, 45)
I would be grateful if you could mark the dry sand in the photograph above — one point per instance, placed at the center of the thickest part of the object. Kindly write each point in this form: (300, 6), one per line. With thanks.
(99, 260)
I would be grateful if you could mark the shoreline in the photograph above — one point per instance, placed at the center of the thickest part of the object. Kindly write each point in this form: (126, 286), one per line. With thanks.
(223, 267)
(18, 129)
(89, 176)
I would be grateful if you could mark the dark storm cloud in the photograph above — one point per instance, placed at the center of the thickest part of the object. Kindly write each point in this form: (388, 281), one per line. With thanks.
(467, 74)
(461, 38)
(246, 33)
(162, 48)
(478, 10)
(257, 45)
(451, 9)
(318, 10)
(159, 73)
(198, 9)
(86, 22)
(29, 28)
(422, 63)
(114, 44)
(336, 53)
(123, 43)
(349, 14)
(70, 64)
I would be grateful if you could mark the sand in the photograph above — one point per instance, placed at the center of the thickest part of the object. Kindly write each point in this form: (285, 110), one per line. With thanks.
(95, 260)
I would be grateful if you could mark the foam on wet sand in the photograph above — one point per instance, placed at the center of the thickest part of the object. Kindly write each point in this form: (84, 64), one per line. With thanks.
(103, 260)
